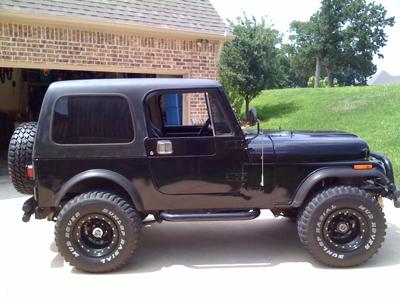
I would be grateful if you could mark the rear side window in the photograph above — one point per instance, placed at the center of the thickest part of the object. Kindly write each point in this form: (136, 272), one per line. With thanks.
(92, 119)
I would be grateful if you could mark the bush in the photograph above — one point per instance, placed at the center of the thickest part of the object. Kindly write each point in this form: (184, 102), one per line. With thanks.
(310, 82)
(323, 82)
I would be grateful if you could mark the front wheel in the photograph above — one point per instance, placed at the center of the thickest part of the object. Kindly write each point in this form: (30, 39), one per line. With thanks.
(342, 226)
(97, 231)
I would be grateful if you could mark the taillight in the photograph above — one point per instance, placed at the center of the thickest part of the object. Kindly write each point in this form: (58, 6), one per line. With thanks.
(29, 171)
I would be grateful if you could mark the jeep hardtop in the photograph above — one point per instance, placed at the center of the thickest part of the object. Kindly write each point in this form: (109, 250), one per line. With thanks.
(105, 154)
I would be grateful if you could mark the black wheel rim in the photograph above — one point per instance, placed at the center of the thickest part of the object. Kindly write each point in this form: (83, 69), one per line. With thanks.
(96, 235)
(345, 230)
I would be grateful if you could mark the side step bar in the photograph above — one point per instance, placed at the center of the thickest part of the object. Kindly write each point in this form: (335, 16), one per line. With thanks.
(210, 216)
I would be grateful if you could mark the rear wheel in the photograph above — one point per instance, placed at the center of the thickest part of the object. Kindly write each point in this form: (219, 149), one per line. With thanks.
(97, 231)
(342, 226)
(20, 153)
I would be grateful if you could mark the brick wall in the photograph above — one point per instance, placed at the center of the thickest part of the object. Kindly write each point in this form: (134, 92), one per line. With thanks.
(198, 108)
(34, 44)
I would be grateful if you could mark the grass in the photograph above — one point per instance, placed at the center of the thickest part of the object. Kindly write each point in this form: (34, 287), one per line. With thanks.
(373, 113)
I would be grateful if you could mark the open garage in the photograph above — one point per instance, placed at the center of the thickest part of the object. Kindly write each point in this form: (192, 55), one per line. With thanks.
(46, 41)
(22, 92)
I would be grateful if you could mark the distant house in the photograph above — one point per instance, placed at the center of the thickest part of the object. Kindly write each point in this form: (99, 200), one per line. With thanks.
(384, 78)
(42, 41)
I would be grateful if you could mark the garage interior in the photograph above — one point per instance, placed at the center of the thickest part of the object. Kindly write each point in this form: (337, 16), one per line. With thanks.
(22, 92)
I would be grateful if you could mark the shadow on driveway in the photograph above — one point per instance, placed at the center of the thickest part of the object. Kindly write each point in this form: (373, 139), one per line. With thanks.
(7, 190)
(260, 243)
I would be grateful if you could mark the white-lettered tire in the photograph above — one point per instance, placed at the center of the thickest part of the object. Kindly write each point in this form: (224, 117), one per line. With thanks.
(97, 231)
(342, 226)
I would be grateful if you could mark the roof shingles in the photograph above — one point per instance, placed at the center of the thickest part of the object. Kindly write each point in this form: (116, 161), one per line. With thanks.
(187, 15)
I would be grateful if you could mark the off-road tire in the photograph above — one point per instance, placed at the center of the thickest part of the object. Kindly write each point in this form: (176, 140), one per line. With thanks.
(20, 155)
(318, 231)
(117, 214)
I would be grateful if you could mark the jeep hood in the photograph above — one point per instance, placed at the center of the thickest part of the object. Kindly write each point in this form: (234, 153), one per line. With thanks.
(309, 146)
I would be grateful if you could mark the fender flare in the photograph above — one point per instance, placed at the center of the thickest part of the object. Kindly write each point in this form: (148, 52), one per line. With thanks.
(101, 174)
(337, 172)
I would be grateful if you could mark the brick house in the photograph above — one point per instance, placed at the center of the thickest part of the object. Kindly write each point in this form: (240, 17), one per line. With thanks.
(42, 41)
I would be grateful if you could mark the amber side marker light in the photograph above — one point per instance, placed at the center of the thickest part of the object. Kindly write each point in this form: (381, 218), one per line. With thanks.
(362, 167)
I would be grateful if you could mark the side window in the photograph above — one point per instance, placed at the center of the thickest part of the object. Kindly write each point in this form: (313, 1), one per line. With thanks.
(220, 121)
(171, 106)
(187, 114)
(92, 119)
(178, 114)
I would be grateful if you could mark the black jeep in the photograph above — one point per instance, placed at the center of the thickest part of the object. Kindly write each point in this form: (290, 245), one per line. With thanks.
(105, 154)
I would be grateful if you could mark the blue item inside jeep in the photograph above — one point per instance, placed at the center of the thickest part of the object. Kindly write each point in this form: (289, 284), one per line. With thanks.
(173, 109)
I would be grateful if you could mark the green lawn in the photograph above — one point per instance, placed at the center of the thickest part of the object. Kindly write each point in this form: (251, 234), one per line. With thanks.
(373, 113)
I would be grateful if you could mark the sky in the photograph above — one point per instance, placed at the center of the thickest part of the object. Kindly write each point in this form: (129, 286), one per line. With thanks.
(280, 13)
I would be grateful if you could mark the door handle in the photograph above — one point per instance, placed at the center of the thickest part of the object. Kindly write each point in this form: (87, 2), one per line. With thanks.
(164, 147)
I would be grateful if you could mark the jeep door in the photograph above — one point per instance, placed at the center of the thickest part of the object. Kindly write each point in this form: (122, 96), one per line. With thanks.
(204, 154)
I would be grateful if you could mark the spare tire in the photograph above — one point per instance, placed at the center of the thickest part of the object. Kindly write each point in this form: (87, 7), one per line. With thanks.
(20, 155)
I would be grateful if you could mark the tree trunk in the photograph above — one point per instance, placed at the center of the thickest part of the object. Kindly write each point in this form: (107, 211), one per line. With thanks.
(317, 76)
(330, 77)
(247, 102)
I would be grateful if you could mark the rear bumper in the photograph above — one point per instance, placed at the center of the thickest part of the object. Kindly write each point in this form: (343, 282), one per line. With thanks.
(29, 208)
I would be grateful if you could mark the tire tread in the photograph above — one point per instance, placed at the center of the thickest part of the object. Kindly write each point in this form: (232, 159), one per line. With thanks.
(20, 152)
(303, 222)
(121, 203)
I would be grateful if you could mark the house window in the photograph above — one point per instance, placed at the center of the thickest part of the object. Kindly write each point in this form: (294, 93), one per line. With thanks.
(92, 119)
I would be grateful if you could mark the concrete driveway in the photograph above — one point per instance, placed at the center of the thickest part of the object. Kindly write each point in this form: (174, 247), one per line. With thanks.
(226, 260)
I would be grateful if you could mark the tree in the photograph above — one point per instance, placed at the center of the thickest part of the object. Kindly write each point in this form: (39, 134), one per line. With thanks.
(330, 18)
(250, 63)
(363, 37)
(308, 47)
(295, 67)
(342, 37)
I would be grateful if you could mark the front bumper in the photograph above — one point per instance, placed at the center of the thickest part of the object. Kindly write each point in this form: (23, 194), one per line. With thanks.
(386, 164)
(396, 198)
(393, 190)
